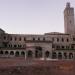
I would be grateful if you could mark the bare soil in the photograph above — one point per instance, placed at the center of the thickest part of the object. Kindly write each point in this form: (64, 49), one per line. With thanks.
(20, 66)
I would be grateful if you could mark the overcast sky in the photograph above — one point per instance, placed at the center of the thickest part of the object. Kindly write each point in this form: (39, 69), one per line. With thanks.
(32, 16)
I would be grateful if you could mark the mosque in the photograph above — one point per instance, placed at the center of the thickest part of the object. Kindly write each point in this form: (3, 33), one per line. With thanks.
(54, 45)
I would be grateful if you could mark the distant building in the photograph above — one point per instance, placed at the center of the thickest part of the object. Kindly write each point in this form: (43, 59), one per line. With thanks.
(49, 45)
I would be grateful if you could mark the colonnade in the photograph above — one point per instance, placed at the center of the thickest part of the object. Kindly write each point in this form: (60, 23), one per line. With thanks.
(37, 54)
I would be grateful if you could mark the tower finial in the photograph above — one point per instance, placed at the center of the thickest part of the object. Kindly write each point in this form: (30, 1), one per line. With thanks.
(68, 4)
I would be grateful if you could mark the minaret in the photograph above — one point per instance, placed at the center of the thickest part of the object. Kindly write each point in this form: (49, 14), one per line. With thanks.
(69, 19)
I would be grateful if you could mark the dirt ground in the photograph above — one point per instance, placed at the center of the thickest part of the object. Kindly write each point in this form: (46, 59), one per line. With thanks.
(19, 66)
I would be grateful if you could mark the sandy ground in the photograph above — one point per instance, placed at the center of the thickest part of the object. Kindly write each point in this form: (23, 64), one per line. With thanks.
(20, 66)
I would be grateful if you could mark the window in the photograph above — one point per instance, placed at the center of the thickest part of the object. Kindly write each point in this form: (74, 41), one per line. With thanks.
(33, 39)
(44, 39)
(19, 46)
(38, 38)
(67, 47)
(9, 45)
(20, 39)
(67, 40)
(73, 39)
(72, 47)
(54, 55)
(4, 37)
(11, 39)
(58, 47)
(15, 38)
(53, 46)
(24, 39)
(57, 39)
(63, 47)
(15, 46)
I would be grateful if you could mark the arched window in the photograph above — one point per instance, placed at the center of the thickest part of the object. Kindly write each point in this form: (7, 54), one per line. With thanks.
(12, 53)
(15, 38)
(67, 40)
(72, 47)
(47, 54)
(57, 47)
(30, 53)
(38, 38)
(53, 46)
(43, 38)
(57, 39)
(17, 53)
(4, 37)
(63, 47)
(15, 46)
(33, 39)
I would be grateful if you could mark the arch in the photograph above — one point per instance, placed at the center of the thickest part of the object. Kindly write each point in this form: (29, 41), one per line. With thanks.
(65, 55)
(38, 52)
(15, 46)
(17, 53)
(11, 52)
(47, 54)
(22, 53)
(54, 55)
(6, 52)
(70, 55)
(59, 55)
(30, 53)
(1, 52)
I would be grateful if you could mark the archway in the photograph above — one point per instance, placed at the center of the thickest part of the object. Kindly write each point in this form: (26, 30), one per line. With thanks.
(30, 54)
(6, 52)
(59, 55)
(47, 54)
(23, 53)
(12, 53)
(65, 55)
(70, 55)
(17, 54)
(54, 55)
(38, 52)
(1, 52)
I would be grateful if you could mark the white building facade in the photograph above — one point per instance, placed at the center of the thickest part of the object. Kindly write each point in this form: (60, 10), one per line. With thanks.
(49, 45)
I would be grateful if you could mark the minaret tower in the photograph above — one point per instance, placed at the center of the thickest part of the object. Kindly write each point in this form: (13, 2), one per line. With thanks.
(69, 19)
